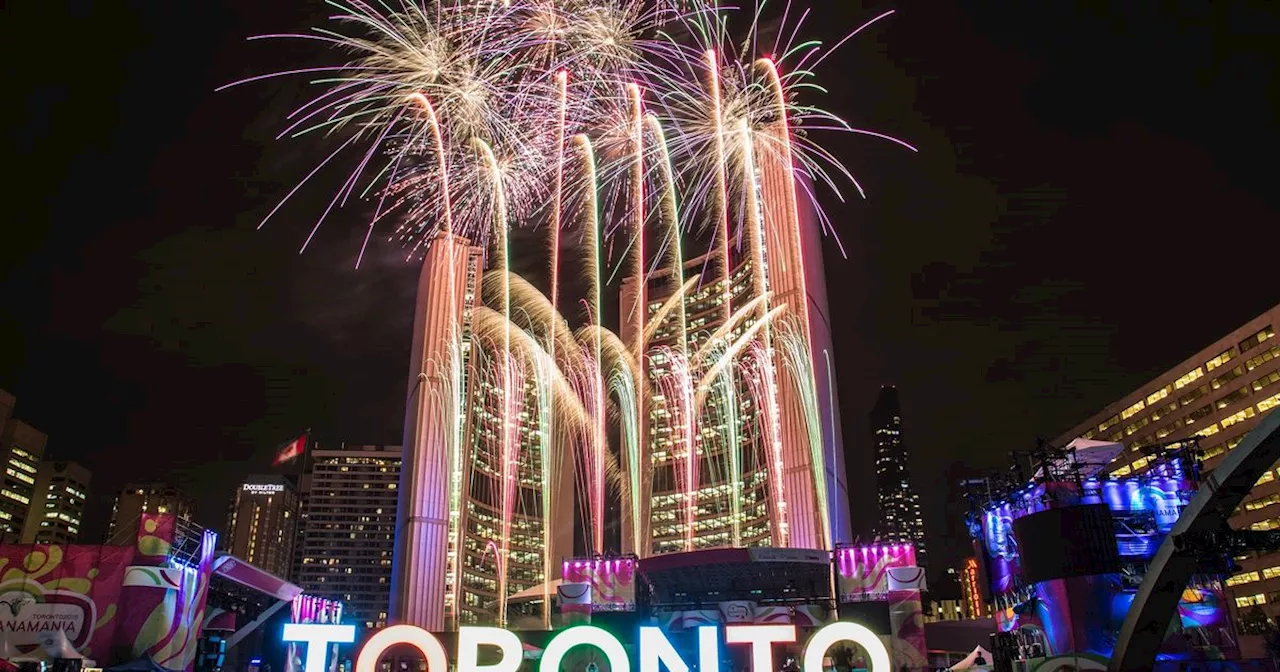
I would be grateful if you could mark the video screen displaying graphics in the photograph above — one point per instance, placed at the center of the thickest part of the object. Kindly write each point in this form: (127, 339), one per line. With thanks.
(1144, 511)
(1000, 546)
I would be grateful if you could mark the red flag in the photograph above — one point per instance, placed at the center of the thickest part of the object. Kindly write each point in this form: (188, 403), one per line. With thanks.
(291, 450)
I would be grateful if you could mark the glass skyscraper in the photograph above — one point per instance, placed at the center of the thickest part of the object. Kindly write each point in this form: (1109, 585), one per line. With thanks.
(900, 519)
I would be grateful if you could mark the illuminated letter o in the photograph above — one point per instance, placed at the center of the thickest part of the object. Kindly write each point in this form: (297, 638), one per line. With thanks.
(582, 635)
(470, 638)
(831, 633)
(414, 636)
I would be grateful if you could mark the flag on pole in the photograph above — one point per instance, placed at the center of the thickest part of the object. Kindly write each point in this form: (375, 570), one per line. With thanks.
(291, 450)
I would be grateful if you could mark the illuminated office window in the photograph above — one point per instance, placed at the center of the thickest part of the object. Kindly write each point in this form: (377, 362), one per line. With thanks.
(1130, 429)
(1188, 379)
(1238, 417)
(1265, 381)
(1218, 361)
(1243, 578)
(1257, 339)
(1191, 396)
(1164, 411)
(1262, 502)
(1198, 414)
(1227, 377)
(1159, 394)
(1207, 430)
(1262, 358)
(1232, 398)
(1251, 600)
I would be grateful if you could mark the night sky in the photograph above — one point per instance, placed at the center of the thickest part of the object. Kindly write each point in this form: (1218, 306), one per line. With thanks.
(1094, 200)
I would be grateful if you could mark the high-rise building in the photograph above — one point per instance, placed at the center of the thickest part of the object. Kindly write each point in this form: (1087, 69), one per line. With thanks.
(457, 433)
(813, 447)
(7, 402)
(718, 417)
(350, 529)
(21, 447)
(262, 524)
(900, 519)
(1218, 394)
(300, 530)
(57, 505)
(726, 497)
(40, 502)
(757, 459)
(945, 610)
(135, 499)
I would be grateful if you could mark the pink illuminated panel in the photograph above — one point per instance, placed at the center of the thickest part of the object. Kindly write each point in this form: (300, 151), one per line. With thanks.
(862, 572)
(311, 609)
(612, 581)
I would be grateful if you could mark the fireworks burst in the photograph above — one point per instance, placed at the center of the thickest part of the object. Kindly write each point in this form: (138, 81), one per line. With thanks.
(425, 85)
(608, 118)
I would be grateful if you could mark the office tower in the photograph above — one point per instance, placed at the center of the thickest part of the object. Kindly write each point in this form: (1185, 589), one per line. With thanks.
(57, 505)
(900, 519)
(21, 447)
(767, 462)
(1218, 394)
(7, 402)
(945, 610)
(40, 502)
(460, 423)
(350, 529)
(135, 499)
(527, 416)
(812, 440)
(732, 492)
(300, 530)
(263, 523)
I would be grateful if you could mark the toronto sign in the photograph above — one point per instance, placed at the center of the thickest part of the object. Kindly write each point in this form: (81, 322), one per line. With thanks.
(654, 649)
